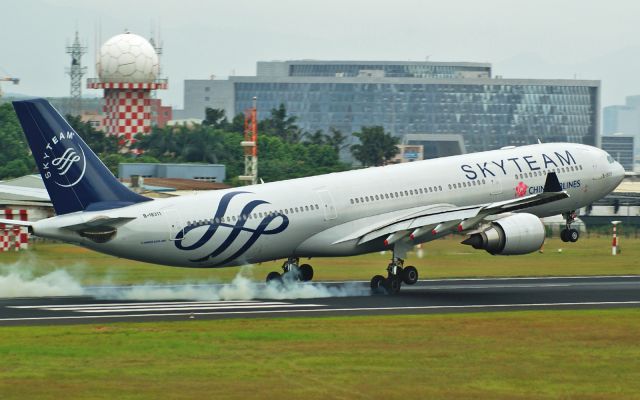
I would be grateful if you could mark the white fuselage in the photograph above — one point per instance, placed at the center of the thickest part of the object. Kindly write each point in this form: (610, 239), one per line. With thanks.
(308, 217)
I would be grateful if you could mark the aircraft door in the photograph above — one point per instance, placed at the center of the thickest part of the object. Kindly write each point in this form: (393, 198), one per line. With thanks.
(175, 223)
(326, 202)
(496, 189)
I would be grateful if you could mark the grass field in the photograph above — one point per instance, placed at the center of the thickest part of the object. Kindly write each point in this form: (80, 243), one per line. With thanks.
(510, 355)
(443, 259)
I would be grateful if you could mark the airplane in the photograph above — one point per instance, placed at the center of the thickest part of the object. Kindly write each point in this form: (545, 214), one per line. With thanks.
(496, 198)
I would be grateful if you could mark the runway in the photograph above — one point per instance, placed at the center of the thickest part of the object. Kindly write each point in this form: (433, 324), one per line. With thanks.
(427, 296)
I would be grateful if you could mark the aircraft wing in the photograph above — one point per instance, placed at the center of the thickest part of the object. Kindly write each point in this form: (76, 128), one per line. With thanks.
(446, 218)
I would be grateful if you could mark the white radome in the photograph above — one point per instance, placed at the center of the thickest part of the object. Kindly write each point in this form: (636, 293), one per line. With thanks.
(127, 58)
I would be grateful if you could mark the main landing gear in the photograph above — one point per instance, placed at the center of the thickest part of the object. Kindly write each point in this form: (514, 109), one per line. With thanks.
(292, 270)
(396, 275)
(569, 234)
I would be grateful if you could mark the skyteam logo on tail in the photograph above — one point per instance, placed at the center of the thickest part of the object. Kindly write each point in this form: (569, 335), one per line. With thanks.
(67, 169)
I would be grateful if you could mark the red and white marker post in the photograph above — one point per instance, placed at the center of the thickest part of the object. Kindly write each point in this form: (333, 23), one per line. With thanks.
(615, 243)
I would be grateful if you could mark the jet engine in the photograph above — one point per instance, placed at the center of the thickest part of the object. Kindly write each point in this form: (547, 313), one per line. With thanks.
(515, 234)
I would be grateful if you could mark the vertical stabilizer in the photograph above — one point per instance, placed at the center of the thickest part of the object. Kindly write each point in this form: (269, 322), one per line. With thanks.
(74, 176)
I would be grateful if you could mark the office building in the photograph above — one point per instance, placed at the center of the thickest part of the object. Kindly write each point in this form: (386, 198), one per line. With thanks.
(411, 98)
(621, 148)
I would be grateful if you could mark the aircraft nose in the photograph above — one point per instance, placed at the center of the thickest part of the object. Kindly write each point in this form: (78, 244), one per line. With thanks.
(618, 173)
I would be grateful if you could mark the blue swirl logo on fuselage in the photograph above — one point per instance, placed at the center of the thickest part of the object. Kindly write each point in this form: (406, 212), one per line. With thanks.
(237, 227)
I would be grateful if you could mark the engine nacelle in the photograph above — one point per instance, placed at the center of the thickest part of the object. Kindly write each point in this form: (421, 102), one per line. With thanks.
(515, 234)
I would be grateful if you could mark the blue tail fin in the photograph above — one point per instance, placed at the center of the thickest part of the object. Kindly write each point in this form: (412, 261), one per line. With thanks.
(74, 176)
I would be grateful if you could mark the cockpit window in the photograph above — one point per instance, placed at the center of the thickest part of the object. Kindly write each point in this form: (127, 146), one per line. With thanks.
(610, 159)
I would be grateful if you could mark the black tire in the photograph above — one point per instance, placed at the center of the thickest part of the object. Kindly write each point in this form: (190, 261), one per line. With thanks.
(306, 272)
(573, 235)
(393, 285)
(377, 284)
(274, 276)
(410, 275)
(564, 235)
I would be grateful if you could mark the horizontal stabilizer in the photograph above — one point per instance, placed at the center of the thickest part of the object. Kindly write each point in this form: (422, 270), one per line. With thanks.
(15, 222)
(99, 222)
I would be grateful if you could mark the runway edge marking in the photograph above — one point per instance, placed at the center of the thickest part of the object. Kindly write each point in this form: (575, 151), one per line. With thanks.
(472, 306)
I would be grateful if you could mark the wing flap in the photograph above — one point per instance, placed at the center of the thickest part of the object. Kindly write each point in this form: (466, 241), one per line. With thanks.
(413, 223)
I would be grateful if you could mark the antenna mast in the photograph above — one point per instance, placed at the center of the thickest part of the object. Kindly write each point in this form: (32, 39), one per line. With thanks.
(250, 144)
(76, 72)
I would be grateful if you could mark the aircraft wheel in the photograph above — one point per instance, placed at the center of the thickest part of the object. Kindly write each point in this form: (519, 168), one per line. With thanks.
(274, 277)
(393, 284)
(377, 284)
(573, 235)
(306, 272)
(564, 235)
(410, 275)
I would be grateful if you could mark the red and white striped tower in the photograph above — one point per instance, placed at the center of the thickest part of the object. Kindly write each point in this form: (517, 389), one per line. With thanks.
(127, 72)
(615, 243)
(18, 234)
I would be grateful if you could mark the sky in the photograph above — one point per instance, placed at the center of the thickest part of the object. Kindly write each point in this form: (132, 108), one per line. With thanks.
(552, 39)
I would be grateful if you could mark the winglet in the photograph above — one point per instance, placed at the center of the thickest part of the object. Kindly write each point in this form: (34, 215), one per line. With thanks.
(552, 184)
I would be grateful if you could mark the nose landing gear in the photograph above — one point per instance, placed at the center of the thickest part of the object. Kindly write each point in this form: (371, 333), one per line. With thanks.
(569, 234)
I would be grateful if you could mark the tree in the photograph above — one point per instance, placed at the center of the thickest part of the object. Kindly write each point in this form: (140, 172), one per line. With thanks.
(202, 145)
(215, 117)
(281, 125)
(336, 139)
(237, 124)
(98, 141)
(15, 158)
(194, 144)
(317, 137)
(376, 147)
(112, 161)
